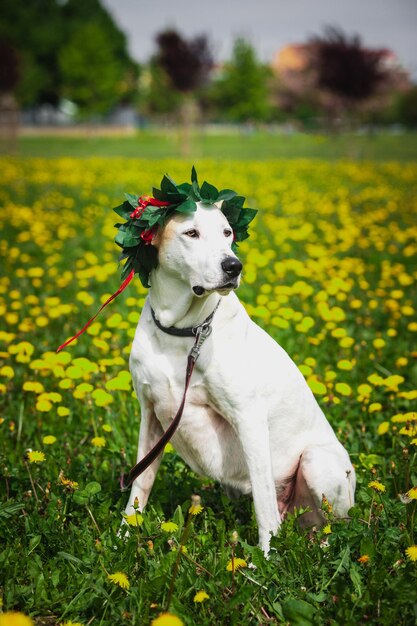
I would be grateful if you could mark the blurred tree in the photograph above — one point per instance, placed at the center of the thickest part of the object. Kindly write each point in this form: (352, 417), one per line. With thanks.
(406, 108)
(241, 91)
(347, 74)
(9, 78)
(159, 96)
(90, 70)
(36, 33)
(45, 33)
(187, 65)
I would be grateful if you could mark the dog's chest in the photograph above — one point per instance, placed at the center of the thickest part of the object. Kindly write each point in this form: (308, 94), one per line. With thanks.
(204, 439)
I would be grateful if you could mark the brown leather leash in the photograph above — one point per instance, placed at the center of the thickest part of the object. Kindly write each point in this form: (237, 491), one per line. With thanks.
(200, 333)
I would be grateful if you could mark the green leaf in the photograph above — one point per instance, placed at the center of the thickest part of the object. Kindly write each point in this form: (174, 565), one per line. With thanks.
(80, 497)
(369, 460)
(236, 201)
(246, 216)
(195, 192)
(168, 185)
(356, 579)
(129, 241)
(120, 237)
(7, 510)
(132, 199)
(33, 543)
(189, 206)
(124, 210)
(226, 194)
(298, 612)
(185, 187)
(158, 194)
(128, 266)
(209, 192)
(194, 177)
(231, 213)
(367, 547)
(69, 557)
(92, 488)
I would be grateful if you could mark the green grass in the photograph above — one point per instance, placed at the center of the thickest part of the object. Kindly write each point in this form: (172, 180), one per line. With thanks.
(330, 273)
(245, 146)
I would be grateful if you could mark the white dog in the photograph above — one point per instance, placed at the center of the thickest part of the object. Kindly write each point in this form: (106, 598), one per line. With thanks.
(250, 420)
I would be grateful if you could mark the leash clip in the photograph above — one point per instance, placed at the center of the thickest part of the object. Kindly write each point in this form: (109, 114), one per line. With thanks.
(201, 334)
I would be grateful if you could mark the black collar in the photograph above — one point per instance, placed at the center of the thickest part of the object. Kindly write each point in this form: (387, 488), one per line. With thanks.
(184, 332)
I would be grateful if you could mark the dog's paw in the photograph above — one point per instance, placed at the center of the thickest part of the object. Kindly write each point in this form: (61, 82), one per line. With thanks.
(123, 533)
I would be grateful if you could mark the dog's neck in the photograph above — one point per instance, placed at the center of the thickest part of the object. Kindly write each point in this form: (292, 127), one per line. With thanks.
(175, 305)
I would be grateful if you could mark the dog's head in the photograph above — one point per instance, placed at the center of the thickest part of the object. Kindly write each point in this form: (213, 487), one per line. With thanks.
(196, 248)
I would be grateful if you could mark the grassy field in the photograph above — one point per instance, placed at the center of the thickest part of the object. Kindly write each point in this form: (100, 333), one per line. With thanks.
(245, 146)
(330, 272)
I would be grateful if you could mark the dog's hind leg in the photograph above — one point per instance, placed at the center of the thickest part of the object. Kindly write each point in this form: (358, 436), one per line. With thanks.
(325, 471)
(150, 432)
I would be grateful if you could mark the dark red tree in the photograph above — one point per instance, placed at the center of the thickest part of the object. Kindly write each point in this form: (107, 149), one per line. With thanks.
(187, 63)
(345, 68)
(9, 67)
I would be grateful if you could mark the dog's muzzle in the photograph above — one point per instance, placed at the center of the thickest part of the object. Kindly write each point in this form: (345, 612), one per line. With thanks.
(231, 266)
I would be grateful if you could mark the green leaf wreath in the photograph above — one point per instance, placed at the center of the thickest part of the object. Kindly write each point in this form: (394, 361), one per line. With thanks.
(145, 214)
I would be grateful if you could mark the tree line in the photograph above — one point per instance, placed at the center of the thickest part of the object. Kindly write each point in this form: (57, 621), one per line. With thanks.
(73, 50)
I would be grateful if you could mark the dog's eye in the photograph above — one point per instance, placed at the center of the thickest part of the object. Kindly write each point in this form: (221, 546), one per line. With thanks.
(192, 233)
(227, 232)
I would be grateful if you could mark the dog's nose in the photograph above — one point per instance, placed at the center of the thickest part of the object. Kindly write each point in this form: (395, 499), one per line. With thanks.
(232, 266)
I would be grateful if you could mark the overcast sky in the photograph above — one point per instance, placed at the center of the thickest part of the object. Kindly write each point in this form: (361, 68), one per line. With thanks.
(269, 24)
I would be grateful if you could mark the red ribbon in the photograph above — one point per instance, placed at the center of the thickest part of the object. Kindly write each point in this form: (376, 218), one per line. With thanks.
(80, 332)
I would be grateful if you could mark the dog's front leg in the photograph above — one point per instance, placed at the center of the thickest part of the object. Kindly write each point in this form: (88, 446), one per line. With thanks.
(150, 432)
(254, 436)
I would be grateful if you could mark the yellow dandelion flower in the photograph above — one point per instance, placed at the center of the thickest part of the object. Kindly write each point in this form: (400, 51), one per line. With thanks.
(383, 428)
(409, 431)
(408, 395)
(107, 428)
(33, 386)
(344, 389)
(66, 482)
(169, 527)
(235, 564)
(374, 406)
(378, 343)
(167, 619)
(195, 507)
(200, 596)
(392, 382)
(134, 520)
(412, 493)
(411, 553)
(364, 390)
(44, 406)
(34, 456)
(48, 440)
(63, 411)
(376, 486)
(101, 398)
(7, 371)
(119, 578)
(364, 558)
(98, 442)
(71, 623)
(327, 530)
(14, 618)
